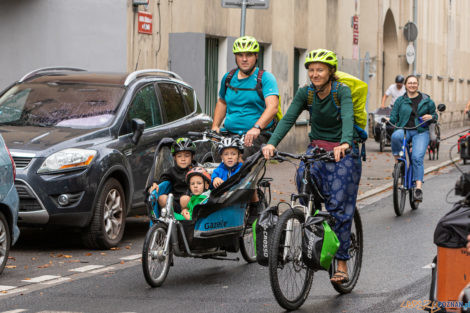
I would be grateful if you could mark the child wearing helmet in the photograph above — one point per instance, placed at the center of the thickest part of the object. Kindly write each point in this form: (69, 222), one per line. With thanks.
(183, 150)
(198, 180)
(230, 150)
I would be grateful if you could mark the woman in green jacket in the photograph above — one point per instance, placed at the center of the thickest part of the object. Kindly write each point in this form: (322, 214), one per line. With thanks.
(410, 110)
(333, 130)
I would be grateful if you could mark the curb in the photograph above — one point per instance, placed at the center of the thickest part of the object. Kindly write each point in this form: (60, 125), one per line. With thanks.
(387, 186)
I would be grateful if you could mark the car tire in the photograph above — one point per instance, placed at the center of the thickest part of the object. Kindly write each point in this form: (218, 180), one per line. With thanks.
(109, 217)
(5, 241)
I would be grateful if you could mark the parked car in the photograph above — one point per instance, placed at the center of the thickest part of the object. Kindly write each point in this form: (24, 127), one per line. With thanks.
(83, 143)
(9, 231)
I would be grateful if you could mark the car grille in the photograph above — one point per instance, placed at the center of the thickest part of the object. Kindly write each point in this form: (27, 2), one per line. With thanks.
(22, 162)
(28, 202)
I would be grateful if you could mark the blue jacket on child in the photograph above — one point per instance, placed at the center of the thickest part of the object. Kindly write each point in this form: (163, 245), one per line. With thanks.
(224, 172)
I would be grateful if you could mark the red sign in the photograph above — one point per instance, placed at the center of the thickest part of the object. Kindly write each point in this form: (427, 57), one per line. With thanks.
(355, 30)
(144, 22)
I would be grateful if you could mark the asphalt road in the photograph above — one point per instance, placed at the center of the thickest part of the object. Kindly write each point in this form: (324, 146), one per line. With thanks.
(396, 254)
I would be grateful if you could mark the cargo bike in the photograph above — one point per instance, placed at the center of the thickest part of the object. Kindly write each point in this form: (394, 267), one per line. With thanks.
(220, 226)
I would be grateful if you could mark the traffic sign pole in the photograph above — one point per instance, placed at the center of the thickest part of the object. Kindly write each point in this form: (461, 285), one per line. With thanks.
(242, 23)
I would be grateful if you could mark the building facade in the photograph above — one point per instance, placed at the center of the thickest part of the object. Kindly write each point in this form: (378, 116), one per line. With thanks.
(194, 39)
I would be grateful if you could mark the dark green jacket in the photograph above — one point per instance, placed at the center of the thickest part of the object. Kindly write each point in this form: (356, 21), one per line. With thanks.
(326, 123)
(401, 111)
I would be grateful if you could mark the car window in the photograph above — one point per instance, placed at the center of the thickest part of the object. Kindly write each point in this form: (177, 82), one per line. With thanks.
(172, 101)
(145, 107)
(60, 104)
(188, 94)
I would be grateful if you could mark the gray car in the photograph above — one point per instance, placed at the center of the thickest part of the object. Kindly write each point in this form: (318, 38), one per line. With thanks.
(9, 202)
(83, 144)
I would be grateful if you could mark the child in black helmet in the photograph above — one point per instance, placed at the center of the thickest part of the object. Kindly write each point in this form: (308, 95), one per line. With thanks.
(198, 180)
(183, 150)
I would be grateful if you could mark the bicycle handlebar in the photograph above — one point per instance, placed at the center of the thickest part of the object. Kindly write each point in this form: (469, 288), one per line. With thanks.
(384, 120)
(212, 135)
(318, 155)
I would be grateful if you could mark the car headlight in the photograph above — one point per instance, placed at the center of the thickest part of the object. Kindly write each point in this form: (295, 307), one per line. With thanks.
(66, 160)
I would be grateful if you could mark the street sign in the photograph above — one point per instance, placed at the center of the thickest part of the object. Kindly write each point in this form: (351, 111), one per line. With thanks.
(252, 4)
(410, 53)
(144, 22)
(410, 31)
(355, 30)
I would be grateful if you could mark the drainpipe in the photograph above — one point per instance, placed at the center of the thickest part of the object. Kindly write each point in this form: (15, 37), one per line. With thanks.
(415, 42)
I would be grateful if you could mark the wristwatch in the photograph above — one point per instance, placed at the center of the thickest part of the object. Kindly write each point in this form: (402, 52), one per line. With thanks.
(257, 126)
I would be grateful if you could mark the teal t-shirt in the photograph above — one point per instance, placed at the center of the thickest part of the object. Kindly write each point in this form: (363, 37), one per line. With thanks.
(244, 107)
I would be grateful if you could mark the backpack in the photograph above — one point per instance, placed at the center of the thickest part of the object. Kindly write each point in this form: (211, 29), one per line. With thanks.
(258, 88)
(358, 95)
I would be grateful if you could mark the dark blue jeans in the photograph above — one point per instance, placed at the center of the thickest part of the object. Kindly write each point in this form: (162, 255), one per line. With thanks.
(339, 183)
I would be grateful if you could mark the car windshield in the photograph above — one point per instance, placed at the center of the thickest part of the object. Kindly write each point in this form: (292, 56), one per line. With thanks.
(58, 104)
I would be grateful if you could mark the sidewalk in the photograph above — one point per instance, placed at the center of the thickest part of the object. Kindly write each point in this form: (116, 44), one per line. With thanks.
(376, 170)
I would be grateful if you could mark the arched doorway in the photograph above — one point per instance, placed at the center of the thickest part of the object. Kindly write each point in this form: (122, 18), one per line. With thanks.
(391, 64)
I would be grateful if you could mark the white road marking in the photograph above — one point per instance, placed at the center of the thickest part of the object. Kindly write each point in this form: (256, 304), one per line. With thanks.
(131, 257)
(104, 269)
(86, 268)
(55, 281)
(40, 279)
(15, 311)
(3, 288)
(6, 293)
(428, 266)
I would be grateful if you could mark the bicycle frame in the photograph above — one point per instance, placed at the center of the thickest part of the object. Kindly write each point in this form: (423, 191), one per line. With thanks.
(408, 164)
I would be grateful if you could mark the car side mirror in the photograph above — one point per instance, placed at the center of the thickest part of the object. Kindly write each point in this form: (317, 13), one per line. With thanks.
(137, 130)
(441, 107)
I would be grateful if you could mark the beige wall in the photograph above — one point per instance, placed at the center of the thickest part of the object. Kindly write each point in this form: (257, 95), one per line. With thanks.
(443, 45)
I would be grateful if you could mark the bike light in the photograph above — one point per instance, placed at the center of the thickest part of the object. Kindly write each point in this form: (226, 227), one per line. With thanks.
(163, 212)
(400, 153)
(66, 160)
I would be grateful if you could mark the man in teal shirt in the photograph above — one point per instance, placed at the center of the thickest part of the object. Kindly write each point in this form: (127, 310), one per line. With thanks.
(240, 104)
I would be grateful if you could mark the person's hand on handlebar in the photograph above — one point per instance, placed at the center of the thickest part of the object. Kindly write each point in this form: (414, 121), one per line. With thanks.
(216, 129)
(426, 117)
(340, 151)
(268, 151)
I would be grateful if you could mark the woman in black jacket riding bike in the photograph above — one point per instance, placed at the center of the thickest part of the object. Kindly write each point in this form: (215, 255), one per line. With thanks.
(332, 130)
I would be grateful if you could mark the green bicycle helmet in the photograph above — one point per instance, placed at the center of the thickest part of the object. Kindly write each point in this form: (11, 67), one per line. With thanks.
(183, 144)
(322, 56)
(245, 44)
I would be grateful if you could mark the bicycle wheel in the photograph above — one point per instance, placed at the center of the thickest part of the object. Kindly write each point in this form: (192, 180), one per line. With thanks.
(247, 245)
(290, 278)
(382, 141)
(154, 263)
(399, 192)
(414, 204)
(355, 262)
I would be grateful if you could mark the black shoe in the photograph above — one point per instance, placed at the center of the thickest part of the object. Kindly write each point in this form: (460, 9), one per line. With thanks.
(418, 195)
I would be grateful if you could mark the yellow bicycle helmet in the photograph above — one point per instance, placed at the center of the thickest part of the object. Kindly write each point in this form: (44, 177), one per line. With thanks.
(323, 56)
(245, 44)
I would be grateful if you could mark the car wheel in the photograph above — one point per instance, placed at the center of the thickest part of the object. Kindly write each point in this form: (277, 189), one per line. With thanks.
(109, 217)
(5, 241)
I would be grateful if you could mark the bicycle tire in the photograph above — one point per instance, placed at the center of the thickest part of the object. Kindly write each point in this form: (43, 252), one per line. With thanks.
(151, 253)
(247, 245)
(399, 192)
(382, 141)
(294, 261)
(355, 251)
(414, 204)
